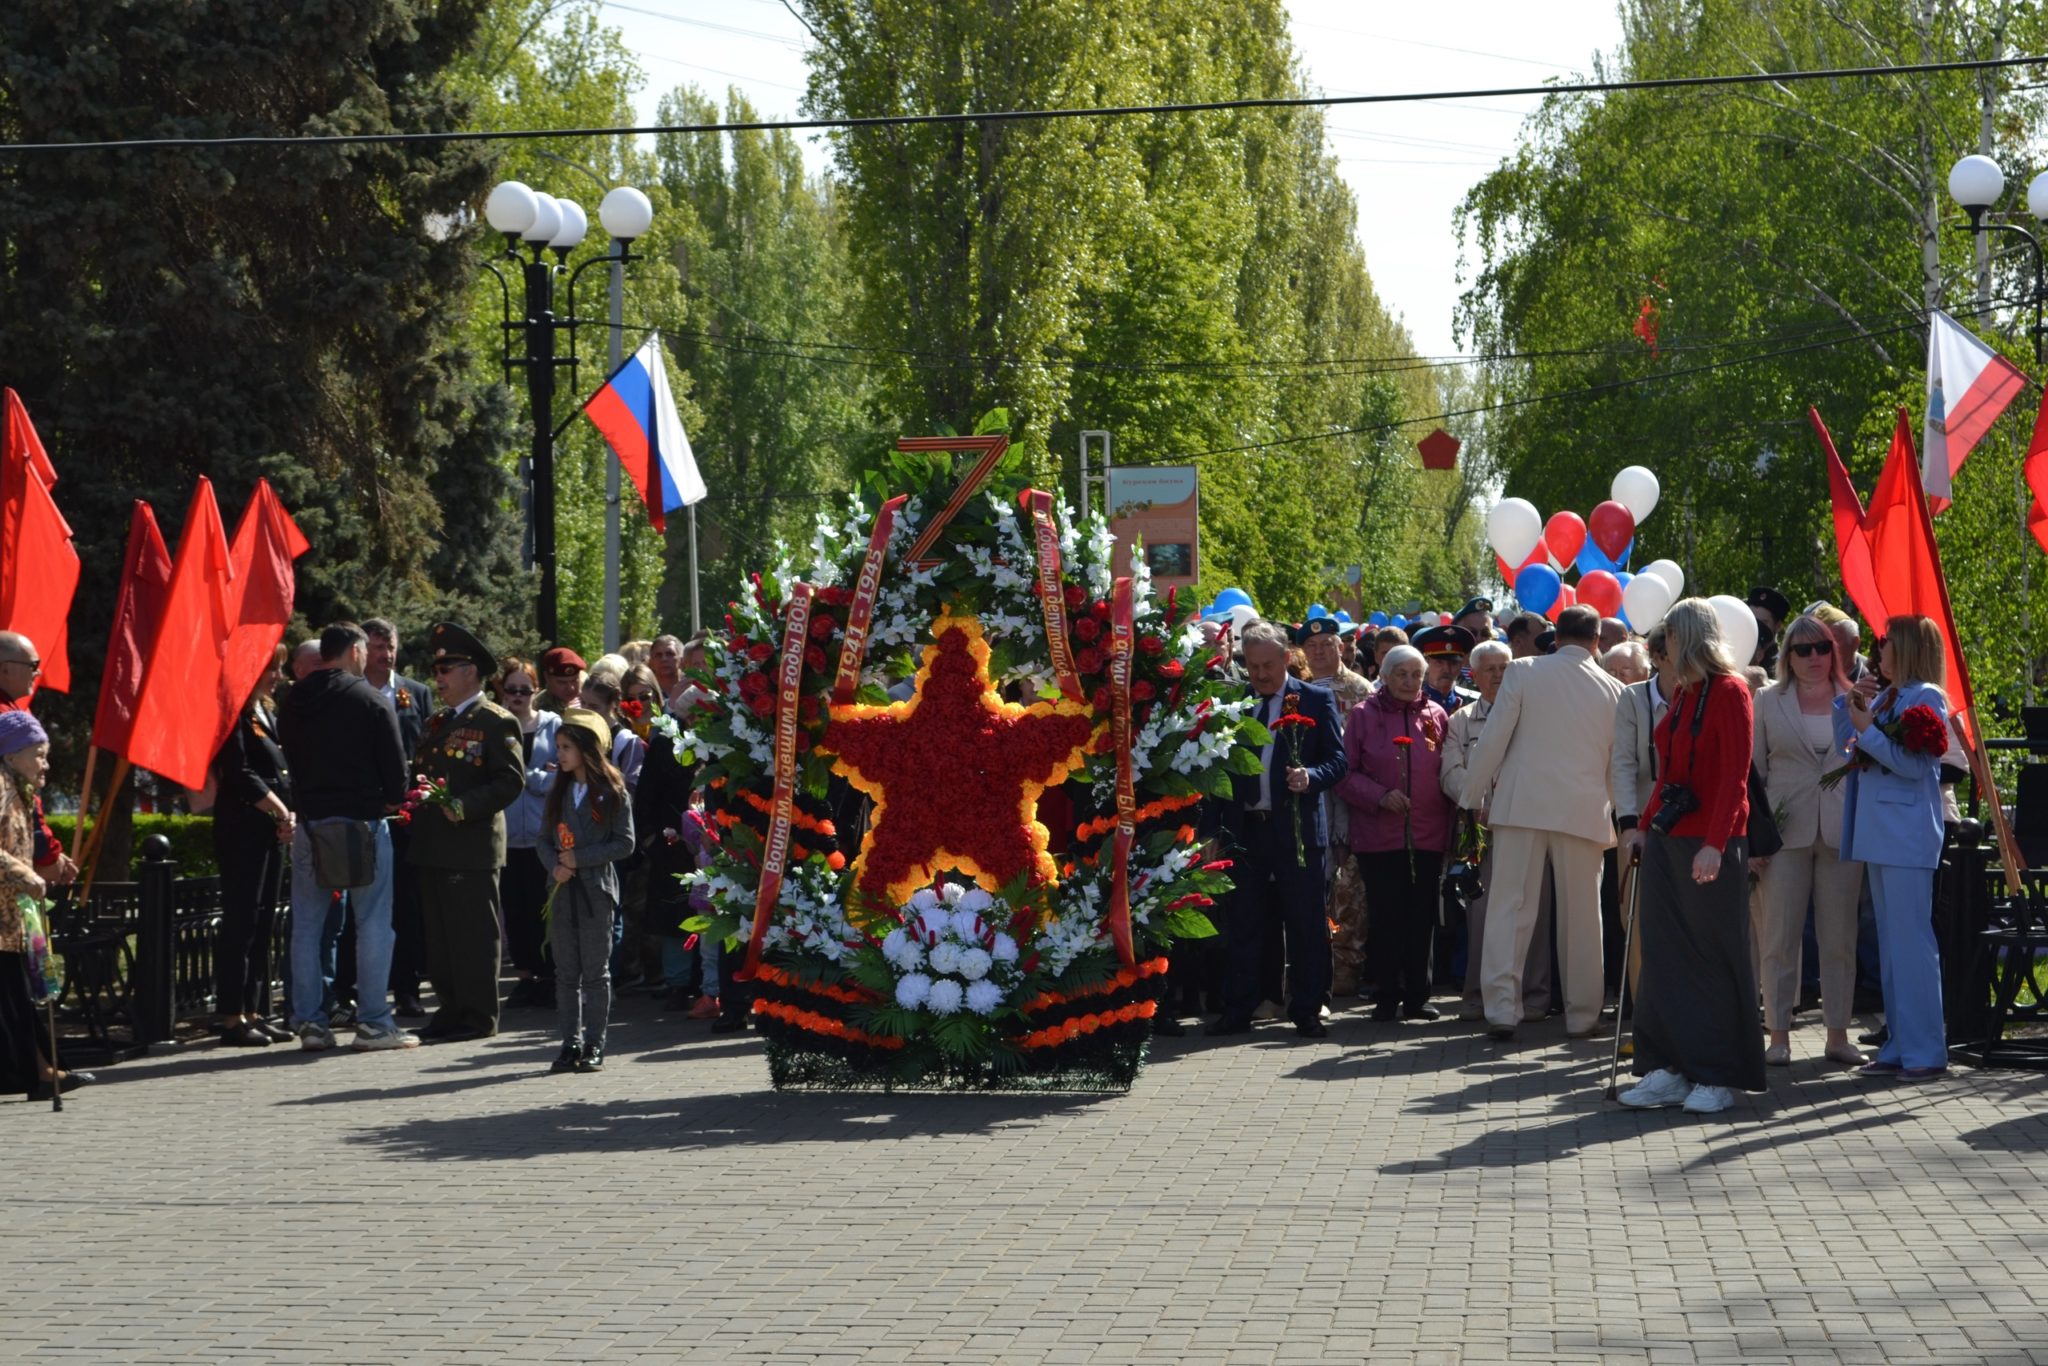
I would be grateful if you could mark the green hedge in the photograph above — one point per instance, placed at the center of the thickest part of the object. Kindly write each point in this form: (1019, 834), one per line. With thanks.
(191, 840)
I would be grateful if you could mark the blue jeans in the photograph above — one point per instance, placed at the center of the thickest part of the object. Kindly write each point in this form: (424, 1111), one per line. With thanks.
(371, 907)
(330, 950)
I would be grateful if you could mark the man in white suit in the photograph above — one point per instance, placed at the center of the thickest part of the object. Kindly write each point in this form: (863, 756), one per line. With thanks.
(1544, 756)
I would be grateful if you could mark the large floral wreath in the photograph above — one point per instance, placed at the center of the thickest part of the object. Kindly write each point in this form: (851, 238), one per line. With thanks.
(928, 927)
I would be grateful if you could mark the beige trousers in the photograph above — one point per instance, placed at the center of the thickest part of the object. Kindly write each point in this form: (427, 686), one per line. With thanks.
(1519, 854)
(1835, 887)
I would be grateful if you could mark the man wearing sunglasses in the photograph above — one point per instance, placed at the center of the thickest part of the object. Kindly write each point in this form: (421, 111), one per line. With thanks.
(20, 667)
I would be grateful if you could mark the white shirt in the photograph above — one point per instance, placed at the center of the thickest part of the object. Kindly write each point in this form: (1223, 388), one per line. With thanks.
(456, 711)
(1269, 712)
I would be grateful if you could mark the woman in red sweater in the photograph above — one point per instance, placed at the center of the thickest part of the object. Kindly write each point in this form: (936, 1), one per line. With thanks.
(1696, 1040)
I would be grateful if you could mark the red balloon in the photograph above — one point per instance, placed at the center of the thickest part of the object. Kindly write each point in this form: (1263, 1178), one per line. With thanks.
(1565, 534)
(1601, 591)
(1540, 555)
(1612, 528)
(1567, 596)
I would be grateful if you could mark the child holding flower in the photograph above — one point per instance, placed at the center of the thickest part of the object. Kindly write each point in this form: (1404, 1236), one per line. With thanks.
(587, 827)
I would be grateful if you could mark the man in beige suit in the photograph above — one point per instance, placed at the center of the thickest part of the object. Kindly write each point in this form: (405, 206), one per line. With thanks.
(1544, 756)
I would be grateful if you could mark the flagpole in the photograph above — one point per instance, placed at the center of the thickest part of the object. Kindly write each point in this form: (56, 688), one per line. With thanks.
(92, 757)
(611, 467)
(1980, 769)
(696, 611)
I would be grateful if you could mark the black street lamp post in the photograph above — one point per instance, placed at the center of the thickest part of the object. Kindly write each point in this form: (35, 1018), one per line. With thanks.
(1976, 182)
(540, 223)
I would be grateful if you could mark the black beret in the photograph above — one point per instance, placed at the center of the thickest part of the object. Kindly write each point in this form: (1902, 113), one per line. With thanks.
(1772, 601)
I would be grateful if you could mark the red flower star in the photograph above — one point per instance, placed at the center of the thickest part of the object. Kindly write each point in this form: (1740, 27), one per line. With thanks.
(955, 772)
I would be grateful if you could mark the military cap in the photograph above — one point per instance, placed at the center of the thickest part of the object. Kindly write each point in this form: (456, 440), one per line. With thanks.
(1772, 601)
(449, 641)
(1316, 626)
(1438, 641)
(1483, 605)
(583, 718)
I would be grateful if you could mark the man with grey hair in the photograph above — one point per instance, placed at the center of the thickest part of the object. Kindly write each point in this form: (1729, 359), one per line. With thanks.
(1541, 769)
(1629, 662)
(1262, 817)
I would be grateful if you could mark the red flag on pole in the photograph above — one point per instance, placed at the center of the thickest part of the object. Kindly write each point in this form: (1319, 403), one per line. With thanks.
(2036, 468)
(1906, 563)
(266, 542)
(177, 716)
(138, 612)
(1852, 550)
(38, 565)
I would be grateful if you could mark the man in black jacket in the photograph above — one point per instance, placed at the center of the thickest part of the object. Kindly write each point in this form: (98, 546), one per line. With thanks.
(347, 763)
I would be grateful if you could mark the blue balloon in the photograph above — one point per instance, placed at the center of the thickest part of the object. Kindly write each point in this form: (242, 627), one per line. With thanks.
(1536, 588)
(1316, 609)
(1622, 576)
(1229, 598)
(1343, 617)
(1590, 559)
(1377, 620)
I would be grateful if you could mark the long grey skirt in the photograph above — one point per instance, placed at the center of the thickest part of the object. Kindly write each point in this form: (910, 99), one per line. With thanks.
(1696, 1012)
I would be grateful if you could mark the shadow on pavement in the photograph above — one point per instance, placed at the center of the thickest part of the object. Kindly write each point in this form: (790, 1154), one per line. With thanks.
(701, 1122)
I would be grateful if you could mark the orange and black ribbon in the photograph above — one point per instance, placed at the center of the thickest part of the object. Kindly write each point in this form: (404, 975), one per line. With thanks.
(992, 449)
(854, 651)
(1050, 597)
(796, 635)
(1121, 654)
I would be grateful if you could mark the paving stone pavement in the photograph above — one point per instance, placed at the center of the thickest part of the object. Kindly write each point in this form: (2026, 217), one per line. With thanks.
(1399, 1194)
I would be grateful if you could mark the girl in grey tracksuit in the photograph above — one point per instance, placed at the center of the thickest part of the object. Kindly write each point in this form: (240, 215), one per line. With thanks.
(587, 827)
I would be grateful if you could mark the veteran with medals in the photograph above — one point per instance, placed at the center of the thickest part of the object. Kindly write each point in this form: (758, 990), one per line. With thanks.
(472, 745)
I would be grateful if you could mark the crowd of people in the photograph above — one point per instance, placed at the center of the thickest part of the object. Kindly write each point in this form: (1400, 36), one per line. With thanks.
(1531, 817)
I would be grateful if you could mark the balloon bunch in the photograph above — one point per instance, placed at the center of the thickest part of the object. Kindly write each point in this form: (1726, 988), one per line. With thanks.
(1534, 555)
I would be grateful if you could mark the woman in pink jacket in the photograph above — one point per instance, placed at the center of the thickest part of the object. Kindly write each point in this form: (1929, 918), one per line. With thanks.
(1400, 825)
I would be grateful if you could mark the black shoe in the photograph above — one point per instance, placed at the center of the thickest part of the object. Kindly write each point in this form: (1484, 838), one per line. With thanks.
(568, 1059)
(592, 1059)
(729, 1024)
(677, 1000)
(408, 1008)
(1167, 1027)
(277, 1032)
(1501, 1033)
(1876, 1038)
(246, 1035)
(1425, 1011)
(1385, 1012)
(1225, 1025)
(1311, 1029)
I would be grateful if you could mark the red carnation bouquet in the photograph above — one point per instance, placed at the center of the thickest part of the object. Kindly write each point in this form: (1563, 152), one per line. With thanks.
(1918, 730)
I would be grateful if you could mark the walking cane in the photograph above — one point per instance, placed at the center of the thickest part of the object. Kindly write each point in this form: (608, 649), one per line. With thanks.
(1628, 943)
(56, 1073)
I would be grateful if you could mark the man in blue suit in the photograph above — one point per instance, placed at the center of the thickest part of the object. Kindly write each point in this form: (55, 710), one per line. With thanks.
(1260, 818)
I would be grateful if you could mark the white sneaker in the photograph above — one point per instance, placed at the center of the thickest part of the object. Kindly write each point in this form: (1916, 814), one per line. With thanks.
(1661, 1088)
(369, 1040)
(315, 1037)
(1708, 1100)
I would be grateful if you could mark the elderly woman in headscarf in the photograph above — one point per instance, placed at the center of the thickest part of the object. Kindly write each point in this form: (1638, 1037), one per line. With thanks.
(24, 1049)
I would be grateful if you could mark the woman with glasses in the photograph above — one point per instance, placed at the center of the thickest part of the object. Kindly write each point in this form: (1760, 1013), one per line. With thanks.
(1892, 821)
(1795, 747)
(523, 881)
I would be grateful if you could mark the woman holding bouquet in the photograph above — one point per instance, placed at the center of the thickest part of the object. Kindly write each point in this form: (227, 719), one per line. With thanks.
(1892, 822)
(1696, 1041)
(1400, 823)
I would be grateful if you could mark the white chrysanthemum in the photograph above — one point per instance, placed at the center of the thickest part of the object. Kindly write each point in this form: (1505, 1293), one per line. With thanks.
(975, 963)
(975, 900)
(952, 893)
(904, 953)
(945, 956)
(937, 919)
(1004, 950)
(945, 996)
(924, 898)
(983, 997)
(914, 990)
(967, 926)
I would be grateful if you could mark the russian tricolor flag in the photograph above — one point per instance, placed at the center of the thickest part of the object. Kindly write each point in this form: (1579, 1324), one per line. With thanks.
(1968, 386)
(637, 415)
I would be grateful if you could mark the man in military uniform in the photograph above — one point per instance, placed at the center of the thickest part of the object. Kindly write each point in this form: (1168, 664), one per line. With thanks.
(472, 745)
(1443, 652)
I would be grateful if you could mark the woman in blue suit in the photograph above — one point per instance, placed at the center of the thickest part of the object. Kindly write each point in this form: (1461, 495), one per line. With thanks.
(1892, 823)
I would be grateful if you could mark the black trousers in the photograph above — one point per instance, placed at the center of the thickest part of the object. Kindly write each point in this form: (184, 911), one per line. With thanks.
(459, 908)
(408, 942)
(251, 862)
(1272, 888)
(1400, 919)
(522, 889)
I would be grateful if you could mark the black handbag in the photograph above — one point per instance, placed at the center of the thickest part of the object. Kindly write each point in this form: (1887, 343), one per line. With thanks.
(1762, 835)
(344, 853)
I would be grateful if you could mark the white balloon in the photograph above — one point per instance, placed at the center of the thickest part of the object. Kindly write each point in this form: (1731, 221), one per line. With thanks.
(1738, 626)
(1636, 489)
(1668, 571)
(1645, 600)
(1513, 527)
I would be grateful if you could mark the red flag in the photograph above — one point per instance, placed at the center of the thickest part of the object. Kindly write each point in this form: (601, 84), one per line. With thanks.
(1906, 563)
(266, 542)
(177, 717)
(2037, 474)
(38, 565)
(138, 612)
(1852, 550)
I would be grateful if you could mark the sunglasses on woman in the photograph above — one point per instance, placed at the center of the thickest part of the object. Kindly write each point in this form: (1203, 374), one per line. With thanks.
(518, 692)
(1813, 647)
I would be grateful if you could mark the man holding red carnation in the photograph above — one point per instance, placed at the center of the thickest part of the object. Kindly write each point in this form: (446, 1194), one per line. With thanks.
(1276, 820)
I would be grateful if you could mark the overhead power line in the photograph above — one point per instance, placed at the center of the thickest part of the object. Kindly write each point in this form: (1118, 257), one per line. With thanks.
(1032, 115)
